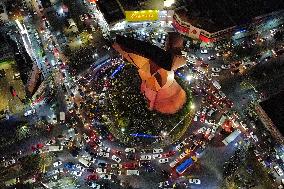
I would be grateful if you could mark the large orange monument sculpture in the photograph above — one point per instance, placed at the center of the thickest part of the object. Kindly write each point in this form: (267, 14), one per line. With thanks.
(156, 69)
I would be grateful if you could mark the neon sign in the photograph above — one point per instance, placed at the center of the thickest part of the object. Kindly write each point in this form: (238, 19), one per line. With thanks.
(144, 15)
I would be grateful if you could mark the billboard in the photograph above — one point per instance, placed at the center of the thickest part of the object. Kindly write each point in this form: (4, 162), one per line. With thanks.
(144, 15)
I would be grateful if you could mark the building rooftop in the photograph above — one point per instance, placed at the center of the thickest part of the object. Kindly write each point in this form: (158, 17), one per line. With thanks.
(111, 9)
(274, 108)
(216, 15)
(160, 57)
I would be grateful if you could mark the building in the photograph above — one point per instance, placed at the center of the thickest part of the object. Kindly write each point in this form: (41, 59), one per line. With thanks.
(212, 20)
(271, 112)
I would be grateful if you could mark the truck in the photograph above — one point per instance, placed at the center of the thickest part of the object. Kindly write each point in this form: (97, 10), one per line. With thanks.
(216, 84)
(231, 137)
(62, 116)
(54, 148)
(185, 165)
(85, 162)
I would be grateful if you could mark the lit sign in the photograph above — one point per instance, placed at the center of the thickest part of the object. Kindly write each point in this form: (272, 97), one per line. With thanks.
(145, 15)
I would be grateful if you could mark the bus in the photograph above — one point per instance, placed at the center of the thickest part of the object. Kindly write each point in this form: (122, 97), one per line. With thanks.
(185, 165)
(231, 137)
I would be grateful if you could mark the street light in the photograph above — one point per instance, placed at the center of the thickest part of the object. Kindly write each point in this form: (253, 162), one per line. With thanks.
(192, 106)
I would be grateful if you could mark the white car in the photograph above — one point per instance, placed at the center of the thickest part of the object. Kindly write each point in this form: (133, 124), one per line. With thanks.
(100, 170)
(155, 156)
(201, 130)
(165, 160)
(104, 176)
(278, 170)
(225, 66)
(216, 70)
(195, 118)
(115, 158)
(115, 165)
(105, 149)
(29, 112)
(157, 150)
(194, 181)
(183, 155)
(132, 172)
(164, 184)
(145, 157)
(174, 163)
(204, 51)
(95, 185)
(56, 164)
(78, 166)
(77, 173)
(103, 154)
(211, 57)
(215, 75)
(127, 150)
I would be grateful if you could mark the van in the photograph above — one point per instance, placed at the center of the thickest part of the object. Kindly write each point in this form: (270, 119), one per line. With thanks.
(85, 162)
(54, 148)
(132, 172)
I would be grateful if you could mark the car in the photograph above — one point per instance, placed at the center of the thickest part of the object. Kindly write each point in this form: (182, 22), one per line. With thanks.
(128, 165)
(169, 154)
(202, 118)
(155, 156)
(105, 176)
(115, 158)
(216, 69)
(174, 163)
(50, 142)
(194, 181)
(157, 150)
(215, 75)
(77, 173)
(145, 157)
(69, 165)
(211, 57)
(210, 112)
(225, 66)
(278, 170)
(165, 160)
(127, 150)
(16, 76)
(56, 164)
(103, 154)
(101, 170)
(104, 149)
(29, 112)
(80, 167)
(204, 110)
(164, 184)
(115, 165)
(201, 130)
(132, 172)
(102, 164)
(94, 185)
(183, 155)
(203, 51)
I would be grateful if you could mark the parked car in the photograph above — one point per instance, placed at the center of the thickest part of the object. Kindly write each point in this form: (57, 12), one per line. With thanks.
(194, 181)
(165, 160)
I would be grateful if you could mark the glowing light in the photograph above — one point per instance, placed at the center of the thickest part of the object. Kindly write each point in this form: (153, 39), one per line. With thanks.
(168, 3)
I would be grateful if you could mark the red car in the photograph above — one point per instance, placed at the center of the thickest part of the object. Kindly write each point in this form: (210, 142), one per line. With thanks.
(129, 165)
(169, 154)
(92, 177)
(202, 118)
